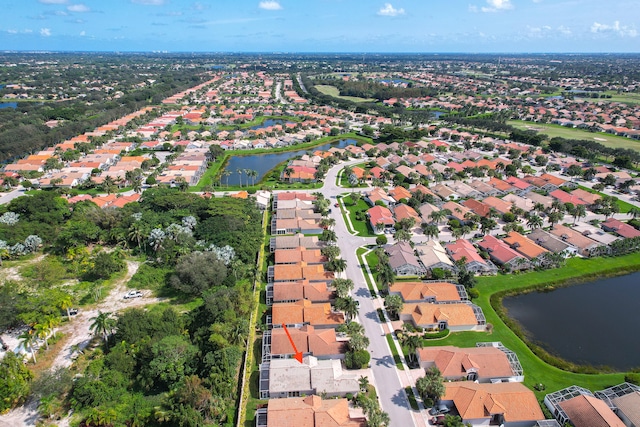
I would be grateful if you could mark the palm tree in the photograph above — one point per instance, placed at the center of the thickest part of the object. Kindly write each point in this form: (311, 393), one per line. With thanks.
(438, 216)
(363, 382)
(349, 306)
(136, 234)
(239, 171)
(634, 212)
(338, 265)
(42, 331)
(430, 230)
(342, 287)
(580, 211)
(412, 342)
(534, 221)
(109, 185)
(65, 303)
(253, 174)
(226, 174)
(103, 323)
(27, 340)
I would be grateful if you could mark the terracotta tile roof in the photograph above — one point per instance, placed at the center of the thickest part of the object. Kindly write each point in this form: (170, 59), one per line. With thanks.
(305, 312)
(476, 401)
(588, 411)
(380, 214)
(523, 245)
(403, 211)
(498, 250)
(497, 204)
(293, 272)
(588, 198)
(303, 289)
(419, 291)
(399, 193)
(477, 207)
(299, 254)
(310, 411)
(463, 248)
(454, 362)
(430, 314)
(318, 342)
(457, 211)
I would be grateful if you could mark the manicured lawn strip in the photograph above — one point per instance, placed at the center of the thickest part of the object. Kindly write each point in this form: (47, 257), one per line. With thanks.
(362, 227)
(552, 131)
(359, 253)
(394, 351)
(372, 260)
(412, 398)
(536, 371)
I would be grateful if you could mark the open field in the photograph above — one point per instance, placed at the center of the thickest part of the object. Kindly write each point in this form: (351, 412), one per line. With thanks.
(552, 131)
(333, 91)
(536, 370)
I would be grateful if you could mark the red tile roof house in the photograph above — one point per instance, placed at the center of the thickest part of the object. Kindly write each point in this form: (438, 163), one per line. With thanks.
(620, 228)
(565, 197)
(463, 249)
(501, 254)
(580, 408)
(299, 290)
(310, 411)
(378, 194)
(485, 364)
(380, 215)
(586, 246)
(509, 404)
(320, 343)
(403, 211)
(458, 212)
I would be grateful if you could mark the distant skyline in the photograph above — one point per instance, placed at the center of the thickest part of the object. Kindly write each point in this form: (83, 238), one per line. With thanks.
(469, 26)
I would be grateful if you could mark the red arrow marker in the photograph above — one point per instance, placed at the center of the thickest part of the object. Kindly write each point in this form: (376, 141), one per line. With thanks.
(298, 354)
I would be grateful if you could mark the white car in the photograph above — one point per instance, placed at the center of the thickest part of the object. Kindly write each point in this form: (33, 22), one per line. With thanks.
(133, 294)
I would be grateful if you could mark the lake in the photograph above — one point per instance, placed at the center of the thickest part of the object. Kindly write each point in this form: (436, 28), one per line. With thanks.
(595, 323)
(270, 122)
(8, 105)
(263, 163)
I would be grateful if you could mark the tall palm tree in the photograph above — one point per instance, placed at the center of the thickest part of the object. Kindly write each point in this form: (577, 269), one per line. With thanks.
(42, 331)
(349, 306)
(580, 211)
(103, 324)
(240, 171)
(27, 340)
(226, 174)
(430, 230)
(65, 303)
(534, 221)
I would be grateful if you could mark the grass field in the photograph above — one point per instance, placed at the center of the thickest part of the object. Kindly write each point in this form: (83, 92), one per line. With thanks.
(552, 131)
(362, 227)
(335, 92)
(535, 370)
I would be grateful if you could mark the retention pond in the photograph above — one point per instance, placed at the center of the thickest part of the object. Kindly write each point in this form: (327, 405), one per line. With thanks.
(595, 323)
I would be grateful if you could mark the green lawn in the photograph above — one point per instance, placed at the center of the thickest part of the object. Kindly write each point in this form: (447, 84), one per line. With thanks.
(335, 92)
(362, 227)
(394, 351)
(258, 121)
(536, 371)
(552, 131)
(624, 206)
(360, 254)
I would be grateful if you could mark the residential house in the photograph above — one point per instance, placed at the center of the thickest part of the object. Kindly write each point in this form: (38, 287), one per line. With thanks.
(462, 316)
(588, 411)
(320, 343)
(498, 205)
(620, 228)
(380, 218)
(432, 256)
(299, 271)
(536, 198)
(458, 211)
(508, 404)
(402, 211)
(377, 194)
(292, 242)
(304, 312)
(426, 209)
(290, 378)
(625, 400)
(310, 411)
(403, 260)
(484, 188)
(565, 197)
(502, 254)
(477, 207)
(552, 243)
(429, 291)
(398, 193)
(519, 202)
(296, 291)
(463, 251)
(485, 364)
(585, 245)
(523, 245)
(444, 192)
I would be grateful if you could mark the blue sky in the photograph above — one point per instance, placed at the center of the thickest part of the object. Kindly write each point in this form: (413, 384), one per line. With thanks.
(322, 25)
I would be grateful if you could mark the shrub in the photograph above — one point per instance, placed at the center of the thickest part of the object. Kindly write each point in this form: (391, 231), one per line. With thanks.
(633, 378)
(473, 293)
(435, 335)
(357, 359)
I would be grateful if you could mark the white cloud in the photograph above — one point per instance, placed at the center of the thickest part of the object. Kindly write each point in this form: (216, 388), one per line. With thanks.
(12, 31)
(537, 1)
(616, 28)
(269, 5)
(45, 32)
(82, 33)
(389, 10)
(496, 5)
(473, 8)
(149, 2)
(53, 1)
(80, 8)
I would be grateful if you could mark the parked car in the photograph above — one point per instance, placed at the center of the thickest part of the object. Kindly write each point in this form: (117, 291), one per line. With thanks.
(439, 409)
(132, 294)
(73, 311)
(438, 420)
(337, 205)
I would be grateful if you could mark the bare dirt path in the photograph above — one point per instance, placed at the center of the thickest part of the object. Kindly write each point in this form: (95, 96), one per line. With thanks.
(80, 336)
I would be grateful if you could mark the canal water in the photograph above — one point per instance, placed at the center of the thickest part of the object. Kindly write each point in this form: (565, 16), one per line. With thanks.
(270, 122)
(595, 323)
(263, 163)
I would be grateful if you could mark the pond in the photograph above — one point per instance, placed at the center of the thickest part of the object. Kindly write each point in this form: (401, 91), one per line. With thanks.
(8, 105)
(595, 323)
(270, 122)
(263, 163)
